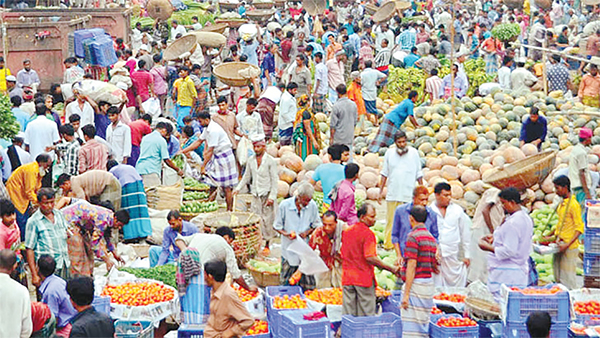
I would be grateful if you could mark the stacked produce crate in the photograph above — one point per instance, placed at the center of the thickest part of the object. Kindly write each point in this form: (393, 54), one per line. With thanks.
(281, 299)
(591, 257)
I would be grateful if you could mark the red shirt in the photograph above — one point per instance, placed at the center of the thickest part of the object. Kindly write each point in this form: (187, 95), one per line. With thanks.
(286, 47)
(142, 79)
(320, 240)
(358, 243)
(420, 245)
(139, 128)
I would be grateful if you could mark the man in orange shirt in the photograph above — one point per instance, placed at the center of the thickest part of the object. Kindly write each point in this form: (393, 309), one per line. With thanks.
(359, 256)
(589, 88)
(355, 94)
(592, 44)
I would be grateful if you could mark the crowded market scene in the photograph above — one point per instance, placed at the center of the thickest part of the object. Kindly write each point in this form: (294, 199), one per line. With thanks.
(300, 169)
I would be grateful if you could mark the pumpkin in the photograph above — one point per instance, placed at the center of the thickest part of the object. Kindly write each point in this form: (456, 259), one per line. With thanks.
(469, 176)
(282, 189)
(273, 150)
(292, 161)
(434, 163)
(369, 180)
(373, 193)
(431, 174)
(371, 160)
(360, 194)
(513, 154)
(287, 175)
(529, 149)
(285, 149)
(449, 160)
(450, 173)
(312, 162)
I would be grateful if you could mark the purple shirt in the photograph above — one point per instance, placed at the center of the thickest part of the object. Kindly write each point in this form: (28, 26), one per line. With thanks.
(160, 80)
(126, 174)
(402, 227)
(54, 294)
(344, 205)
(512, 242)
(169, 236)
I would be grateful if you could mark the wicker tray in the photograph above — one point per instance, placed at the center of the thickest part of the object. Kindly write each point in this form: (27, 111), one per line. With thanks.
(263, 278)
(233, 23)
(260, 14)
(524, 173)
(513, 4)
(385, 12)
(196, 189)
(371, 9)
(263, 5)
(188, 215)
(402, 5)
(544, 4)
(228, 6)
(314, 7)
(217, 27)
(245, 225)
(159, 9)
(482, 309)
(179, 47)
(210, 39)
(141, 250)
(228, 73)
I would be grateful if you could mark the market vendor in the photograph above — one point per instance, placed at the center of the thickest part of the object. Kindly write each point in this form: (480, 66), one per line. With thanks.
(297, 216)
(169, 252)
(534, 129)
(90, 231)
(91, 185)
(327, 240)
(569, 228)
(393, 121)
(208, 247)
(509, 245)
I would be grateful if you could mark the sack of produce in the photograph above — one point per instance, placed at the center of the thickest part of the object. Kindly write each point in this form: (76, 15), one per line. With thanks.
(165, 197)
(99, 91)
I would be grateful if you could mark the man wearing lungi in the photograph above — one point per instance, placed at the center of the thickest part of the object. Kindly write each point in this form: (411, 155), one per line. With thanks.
(589, 88)
(219, 161)
(287, 113)
(133, 200)
(153, 151)
(371, 78)
(266, 108)
(262, 175)
(419, 264)
(391, 123)
(509, 246)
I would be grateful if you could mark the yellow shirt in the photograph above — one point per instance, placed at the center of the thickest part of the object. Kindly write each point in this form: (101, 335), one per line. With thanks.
(4, 72)
(186, 91)
(565, 230)
(23, 185)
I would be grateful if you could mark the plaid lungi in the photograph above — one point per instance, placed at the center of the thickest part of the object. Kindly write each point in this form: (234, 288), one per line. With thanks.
(319, 104)
(415, 319)
(82, 260)
(112, 193)
(371, 107)
(223, 169)
(195, 303)
(491, 63)
(133, 199)
(385, 135)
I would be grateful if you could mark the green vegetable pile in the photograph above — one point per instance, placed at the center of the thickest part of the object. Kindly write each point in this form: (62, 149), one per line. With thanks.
(179, 161)
(199, 207)
(194, 185)
(183, 17)
(506, 32)
(318, 198)
(265, 266)
(163, 273)
(9, 127)
(194, 195)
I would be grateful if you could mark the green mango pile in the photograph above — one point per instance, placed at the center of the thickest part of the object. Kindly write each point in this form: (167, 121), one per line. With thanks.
(199, 207)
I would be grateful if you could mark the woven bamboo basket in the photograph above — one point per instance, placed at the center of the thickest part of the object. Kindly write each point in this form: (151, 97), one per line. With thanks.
(228, 73)
(280, 4)
(263, 278)
(245, 225)
(513, 3)
(544, 4)
(179, 47)
(385, 12)
(314, 7)
(228, 6)
(141, 250)
(217, 27)
(371, 9)
(482, 309)
(210, 39)
(263, 4)
(233, 23)
(188, 216)
(524, 173)
(159, 9)
(260, 14)
(402, 5)
(196, 189)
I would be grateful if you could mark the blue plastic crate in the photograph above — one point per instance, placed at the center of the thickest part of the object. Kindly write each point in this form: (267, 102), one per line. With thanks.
(485, 330)
(190, 331)
(83, 34)
(592, 241)
(519, 330)
(141, 329)
(102, 51)
(275, 316)
(195, 304)
(102, 304)
(436, 331)
(520, 306)
(272, 291)
(575, 335)
(392, 303)
(293, 325)
(587, 319)
(591, 264)
(386, 325)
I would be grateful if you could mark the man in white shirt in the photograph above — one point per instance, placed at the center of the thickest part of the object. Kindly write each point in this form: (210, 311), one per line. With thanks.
(579, 173)
(370, 78)
(15, 308)
(118, 135)
(40, 133)
(384, 32)
(401, 170)
(521, 79)
(321, 87)
(454, 228)
(287, 114)
(14, 156)
(250, 121)
(504, 73)
(176, 29)
(219, 162)
(83, 106)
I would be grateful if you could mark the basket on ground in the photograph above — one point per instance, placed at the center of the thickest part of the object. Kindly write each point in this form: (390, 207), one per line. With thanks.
(179, 47)
(293, 325)
(386, 325)
(245, 225)
(385, 12)
(134, 329)
(229, 73)
(524, 173)
(263, 278)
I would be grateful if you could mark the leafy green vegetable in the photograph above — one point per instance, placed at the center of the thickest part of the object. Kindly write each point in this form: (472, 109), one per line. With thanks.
(199, 207)
(506, 32)
(163, 273)
(9, 127)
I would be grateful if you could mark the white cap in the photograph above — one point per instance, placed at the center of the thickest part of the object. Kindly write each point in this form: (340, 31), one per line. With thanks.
(145, 47)
(11, 78)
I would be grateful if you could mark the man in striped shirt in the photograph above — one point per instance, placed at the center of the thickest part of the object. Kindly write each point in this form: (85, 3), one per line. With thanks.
(382, 59)
(433, 85)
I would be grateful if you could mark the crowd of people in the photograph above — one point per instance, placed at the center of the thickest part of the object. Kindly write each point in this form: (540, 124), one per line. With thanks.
(72, 177)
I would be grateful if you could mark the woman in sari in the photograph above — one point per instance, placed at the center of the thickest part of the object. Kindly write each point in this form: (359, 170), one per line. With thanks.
(10, 238)
(306, 137)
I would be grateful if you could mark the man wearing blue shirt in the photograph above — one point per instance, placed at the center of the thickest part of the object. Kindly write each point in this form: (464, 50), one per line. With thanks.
(54, 293)
(391, 123)
(410, 59)
(153, 151)
(169, 252)
(534, 129)
(331, 173)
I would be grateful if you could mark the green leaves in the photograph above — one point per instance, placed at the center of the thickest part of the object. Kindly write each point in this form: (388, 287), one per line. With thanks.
(506, 32)
(9, 127)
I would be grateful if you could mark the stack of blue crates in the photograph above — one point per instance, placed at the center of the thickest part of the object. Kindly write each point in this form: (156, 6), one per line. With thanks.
(521, 305)
(275, 316)
(83, 34)
(591, 257)
(386, 325)
(293, 325)
(99, 51)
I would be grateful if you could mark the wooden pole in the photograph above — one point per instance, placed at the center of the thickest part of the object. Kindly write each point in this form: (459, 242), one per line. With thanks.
(452, 97)
(544, 68)
(553, 51)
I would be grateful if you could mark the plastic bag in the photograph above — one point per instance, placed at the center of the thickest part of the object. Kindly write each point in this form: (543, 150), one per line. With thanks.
(152, 107)
(169, 107)
(310, 262)
(100, 91)
(244, 150)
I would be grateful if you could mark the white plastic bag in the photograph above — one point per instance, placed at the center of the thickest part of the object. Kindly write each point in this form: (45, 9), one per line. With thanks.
(152, 107)
(310, 262)
(169, 107)
(243, 150)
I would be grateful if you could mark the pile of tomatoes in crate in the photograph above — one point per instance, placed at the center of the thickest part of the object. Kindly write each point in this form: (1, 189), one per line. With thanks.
(538, 291)
(138, 294)
(244, 294)
(287, 302)
(436, 311)
(331, 296)
(591, 307)
(456, 322)
(259, 327)
(452, 297)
